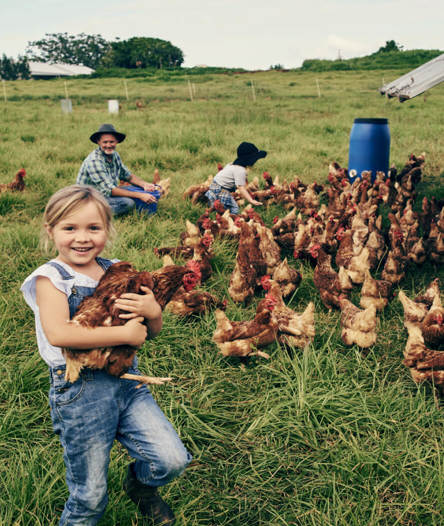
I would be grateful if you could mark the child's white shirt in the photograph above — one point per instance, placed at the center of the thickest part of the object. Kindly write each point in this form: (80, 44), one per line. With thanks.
(52, 355)
(231, 176)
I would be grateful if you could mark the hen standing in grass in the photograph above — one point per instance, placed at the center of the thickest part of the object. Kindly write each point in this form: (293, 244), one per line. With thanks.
(242, 338)
(17, 185)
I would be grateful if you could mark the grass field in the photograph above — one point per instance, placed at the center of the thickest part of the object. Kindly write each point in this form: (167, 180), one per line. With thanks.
(329, 436)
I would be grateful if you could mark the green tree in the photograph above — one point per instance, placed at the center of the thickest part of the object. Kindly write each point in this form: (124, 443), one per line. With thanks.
(82, 49)
(11, 69)
(144, 52)
(390, 46)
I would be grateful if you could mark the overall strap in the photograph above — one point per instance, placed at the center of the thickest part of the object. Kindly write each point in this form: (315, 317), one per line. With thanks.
(78, 293)
(62, 271)
(104, 263)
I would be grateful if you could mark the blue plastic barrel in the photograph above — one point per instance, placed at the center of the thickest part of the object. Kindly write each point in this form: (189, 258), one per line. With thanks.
(369, 147)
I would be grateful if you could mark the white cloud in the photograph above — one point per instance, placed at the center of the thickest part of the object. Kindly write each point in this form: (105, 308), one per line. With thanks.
(347, 47)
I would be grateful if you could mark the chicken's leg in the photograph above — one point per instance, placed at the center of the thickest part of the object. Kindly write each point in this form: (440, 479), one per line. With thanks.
(146, 380)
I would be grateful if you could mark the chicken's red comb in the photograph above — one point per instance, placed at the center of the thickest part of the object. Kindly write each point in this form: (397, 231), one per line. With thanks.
(206, 223)
(21, 172)
(194, 267)
(189, 282)
(218, 206)
(265, 282)
(207, 239)
(270, 301)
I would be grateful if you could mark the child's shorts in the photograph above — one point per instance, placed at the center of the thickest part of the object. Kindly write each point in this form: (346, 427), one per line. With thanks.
(225, 197)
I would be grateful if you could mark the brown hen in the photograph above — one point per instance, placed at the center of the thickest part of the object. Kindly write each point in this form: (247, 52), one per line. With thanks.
(98, 310)
(242, 338)
(17, 185)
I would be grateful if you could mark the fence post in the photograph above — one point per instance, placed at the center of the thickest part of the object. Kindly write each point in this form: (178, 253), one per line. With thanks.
(253, 91)
(113, 106)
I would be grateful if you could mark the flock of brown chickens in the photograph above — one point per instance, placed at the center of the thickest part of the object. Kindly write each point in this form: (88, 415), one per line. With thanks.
(344, 240)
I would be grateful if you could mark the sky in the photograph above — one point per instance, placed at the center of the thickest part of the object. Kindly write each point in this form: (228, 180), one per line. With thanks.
(249, 34)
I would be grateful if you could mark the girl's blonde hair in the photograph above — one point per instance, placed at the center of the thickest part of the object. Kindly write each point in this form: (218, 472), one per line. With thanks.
(67, 200)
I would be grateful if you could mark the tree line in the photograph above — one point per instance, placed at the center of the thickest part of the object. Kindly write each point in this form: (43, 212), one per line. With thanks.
(392, 55)
(93, 51)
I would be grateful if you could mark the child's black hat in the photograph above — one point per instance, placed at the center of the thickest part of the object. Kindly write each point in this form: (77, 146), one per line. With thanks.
(248, 154)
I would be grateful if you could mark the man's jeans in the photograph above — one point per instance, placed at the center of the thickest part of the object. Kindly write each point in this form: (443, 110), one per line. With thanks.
(89, 415)
(121, 205)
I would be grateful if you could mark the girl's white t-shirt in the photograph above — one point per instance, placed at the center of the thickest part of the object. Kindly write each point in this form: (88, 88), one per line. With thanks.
(52, 355)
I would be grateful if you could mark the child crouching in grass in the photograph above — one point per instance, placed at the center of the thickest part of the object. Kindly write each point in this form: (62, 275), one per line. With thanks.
(234, 177)
(98, 408)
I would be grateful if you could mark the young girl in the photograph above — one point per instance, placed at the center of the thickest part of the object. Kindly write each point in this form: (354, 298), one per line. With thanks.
(234, 176)
(98, 408)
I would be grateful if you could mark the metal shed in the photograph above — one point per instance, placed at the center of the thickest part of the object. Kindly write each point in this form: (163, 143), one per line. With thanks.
(45, 70)
(416, 81)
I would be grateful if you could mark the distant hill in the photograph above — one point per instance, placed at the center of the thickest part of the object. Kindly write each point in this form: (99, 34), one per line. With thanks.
(380, 60)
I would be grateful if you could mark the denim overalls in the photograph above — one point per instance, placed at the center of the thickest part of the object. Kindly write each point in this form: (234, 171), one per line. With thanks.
(90, 414)
(78, 293)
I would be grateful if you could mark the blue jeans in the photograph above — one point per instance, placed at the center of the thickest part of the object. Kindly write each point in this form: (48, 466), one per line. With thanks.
(89, 415)
(121, 205)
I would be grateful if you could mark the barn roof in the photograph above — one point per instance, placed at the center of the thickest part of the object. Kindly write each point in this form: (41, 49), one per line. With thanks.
(42, 69)
(416, 81)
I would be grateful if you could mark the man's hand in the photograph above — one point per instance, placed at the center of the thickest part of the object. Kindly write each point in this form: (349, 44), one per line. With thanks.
(149, 187)
(146, 198)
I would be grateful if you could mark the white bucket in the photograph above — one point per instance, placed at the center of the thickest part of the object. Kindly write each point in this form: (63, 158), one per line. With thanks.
(66, 105)
(113, 106)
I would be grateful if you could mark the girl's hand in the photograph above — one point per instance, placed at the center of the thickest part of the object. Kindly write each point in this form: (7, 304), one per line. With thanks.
(139, 305)
(136, 331)
(256, 203)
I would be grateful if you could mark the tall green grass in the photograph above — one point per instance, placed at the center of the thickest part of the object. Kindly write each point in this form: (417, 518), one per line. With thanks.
(329, 436)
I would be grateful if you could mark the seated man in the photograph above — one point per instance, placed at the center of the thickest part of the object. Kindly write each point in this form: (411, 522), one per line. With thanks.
(103, 169)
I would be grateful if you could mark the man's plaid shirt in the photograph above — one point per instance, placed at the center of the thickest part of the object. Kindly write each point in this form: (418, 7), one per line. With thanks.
(104, 175)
